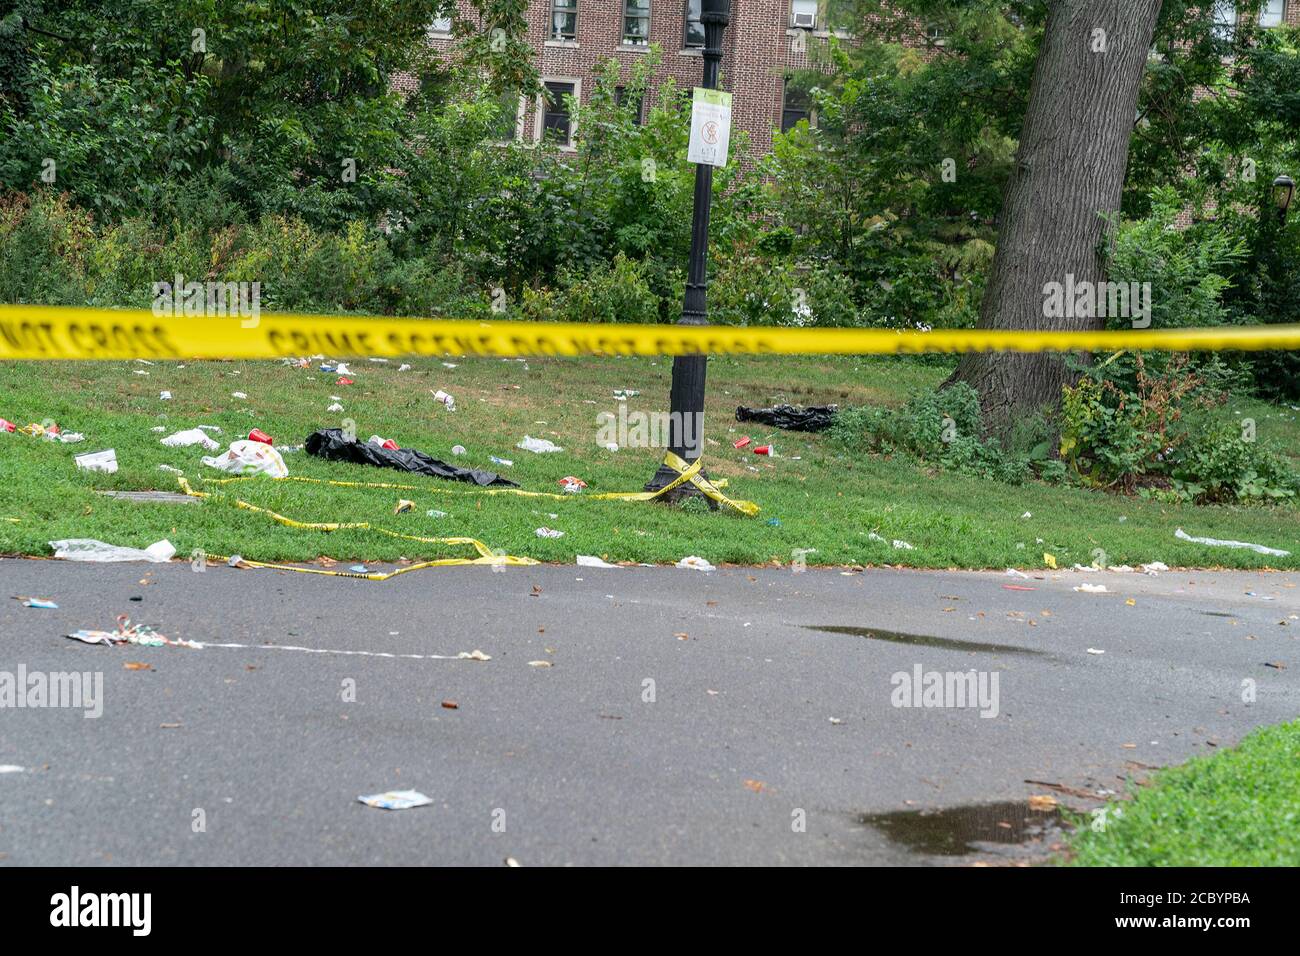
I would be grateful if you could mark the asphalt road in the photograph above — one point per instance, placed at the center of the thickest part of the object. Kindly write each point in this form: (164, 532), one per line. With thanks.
(687, 717)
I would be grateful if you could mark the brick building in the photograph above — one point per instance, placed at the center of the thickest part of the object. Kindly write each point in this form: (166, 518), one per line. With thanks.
(761, 47)
(765, 42)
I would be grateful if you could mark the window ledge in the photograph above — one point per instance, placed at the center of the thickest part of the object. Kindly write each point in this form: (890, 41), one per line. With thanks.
(691, 51)
(563, 44)
(634, 47)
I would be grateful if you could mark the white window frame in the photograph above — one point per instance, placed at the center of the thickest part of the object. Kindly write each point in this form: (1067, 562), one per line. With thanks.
(1264, 12)
(540, 109)
(639, 45)
(559, 38)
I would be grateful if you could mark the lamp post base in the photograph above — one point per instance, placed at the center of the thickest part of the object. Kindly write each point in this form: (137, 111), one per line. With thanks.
(665, 476)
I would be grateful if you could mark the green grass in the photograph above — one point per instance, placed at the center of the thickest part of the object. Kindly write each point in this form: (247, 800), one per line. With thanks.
(1240, 807)
(827, 500)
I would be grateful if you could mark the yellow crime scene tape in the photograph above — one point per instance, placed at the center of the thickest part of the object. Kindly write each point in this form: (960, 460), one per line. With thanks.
(687, 472)
(33, 332)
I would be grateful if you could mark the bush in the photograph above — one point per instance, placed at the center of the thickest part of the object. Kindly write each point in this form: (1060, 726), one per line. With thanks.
(941, 427)
(614, 292)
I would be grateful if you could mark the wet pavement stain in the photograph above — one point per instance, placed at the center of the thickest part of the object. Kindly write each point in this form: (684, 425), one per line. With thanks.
(923, 640)
(960, 831)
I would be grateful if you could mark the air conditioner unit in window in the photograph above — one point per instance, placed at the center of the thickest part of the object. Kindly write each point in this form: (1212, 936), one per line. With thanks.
(806, 21)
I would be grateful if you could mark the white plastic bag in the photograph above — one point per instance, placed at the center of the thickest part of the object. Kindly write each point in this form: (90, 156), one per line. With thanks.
(249, 458)
(88, 549)
(539, 446)
(191, 436)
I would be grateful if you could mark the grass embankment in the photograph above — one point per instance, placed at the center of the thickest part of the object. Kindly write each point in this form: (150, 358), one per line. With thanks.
(819, 496)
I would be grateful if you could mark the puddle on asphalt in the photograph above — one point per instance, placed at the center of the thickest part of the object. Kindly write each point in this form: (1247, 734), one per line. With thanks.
(960, 831)
(922, 640)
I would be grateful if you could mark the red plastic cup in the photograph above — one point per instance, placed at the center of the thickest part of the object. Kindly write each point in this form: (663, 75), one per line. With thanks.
(742, 442)
(6, 425)
(763, 450)
(389, 444)
(258, 435)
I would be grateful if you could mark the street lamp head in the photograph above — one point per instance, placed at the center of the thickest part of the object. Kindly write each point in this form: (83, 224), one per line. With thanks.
(1283, 193)
(717, 10)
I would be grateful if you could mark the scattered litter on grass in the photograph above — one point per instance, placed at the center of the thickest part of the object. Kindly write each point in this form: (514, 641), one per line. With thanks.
(1216, 542)
(572, 485)
(591, 561)
(403, 505)
(188, 437)
(240, 395)
(1049, 560)
(105, 461)
(548, 533)
(435, 513)
(500, 461)
(249, 458)
(695, 563)
(403, 367)
(903, 545)
(1154, 568)
(1026, 515)
(344, 381)
(538, 446)
(336, 407)
(769, 450)
(396, 800)
(742, 442)
(444, 399)
(89, 549)
(260, 436)
(458, 449)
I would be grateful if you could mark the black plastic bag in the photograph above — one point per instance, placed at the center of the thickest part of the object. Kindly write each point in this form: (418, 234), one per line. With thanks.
(329, 443)
(814, 418)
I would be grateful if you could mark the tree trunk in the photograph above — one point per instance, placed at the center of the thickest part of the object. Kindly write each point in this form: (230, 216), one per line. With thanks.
(1069, 171)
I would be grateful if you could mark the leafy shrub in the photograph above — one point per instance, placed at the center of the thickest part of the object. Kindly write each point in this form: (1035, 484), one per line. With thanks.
(941, 427)
(614, 292)
(1219, 464)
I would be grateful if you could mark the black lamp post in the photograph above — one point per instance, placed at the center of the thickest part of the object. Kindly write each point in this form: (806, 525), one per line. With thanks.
(1283, 193)
(686, 421)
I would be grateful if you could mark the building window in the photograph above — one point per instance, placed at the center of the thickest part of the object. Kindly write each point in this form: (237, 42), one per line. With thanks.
(557, 124)
(564, 19)
(1270, 15)
(796, 105)
(803, 14)
(694, 27)
(441, 27)
(636, 22)
(1224, 19)
(633, 104)
(506, 126)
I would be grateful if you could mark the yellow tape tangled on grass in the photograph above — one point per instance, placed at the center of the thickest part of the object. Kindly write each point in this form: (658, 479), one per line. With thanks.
(685, 473)
(486, 555)
(65, 332)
